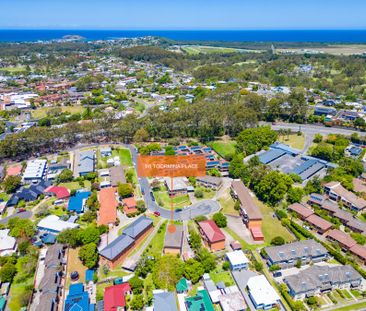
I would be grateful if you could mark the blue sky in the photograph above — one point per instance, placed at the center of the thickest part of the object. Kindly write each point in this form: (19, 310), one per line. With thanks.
(183, 14)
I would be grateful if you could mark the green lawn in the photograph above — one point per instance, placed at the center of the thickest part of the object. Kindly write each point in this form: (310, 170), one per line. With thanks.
(207, 193)
(356, 306)
(42, 112)
(227, 203)
(223, 148)
(272, 227)
(124, 155)
(4, 196)
(17, 69)
(74, 185)
(295, 141)
(164, 200)
(156, 245)
(19, 294)
(222, 276)
(356, 293)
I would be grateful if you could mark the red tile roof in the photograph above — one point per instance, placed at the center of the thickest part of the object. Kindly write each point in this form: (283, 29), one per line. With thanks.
(342, 238)
(114, 296)
(14, 170)
(108, 206)
(319, 222)
(212, 231)
(359, 250)
(59, 192)
(129, 202)
(301, 210)
(257, 233)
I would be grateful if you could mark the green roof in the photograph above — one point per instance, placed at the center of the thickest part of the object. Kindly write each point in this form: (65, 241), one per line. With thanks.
(200, 302)
(182, 285)
(2, 303)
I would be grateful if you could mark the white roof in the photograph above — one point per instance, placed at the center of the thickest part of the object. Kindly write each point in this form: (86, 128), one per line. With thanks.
(237, 257)
(261, 291)
(35, 169)
(52, 222)
(6, 241)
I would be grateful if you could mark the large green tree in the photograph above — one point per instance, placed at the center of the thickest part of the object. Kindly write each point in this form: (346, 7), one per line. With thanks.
(88, 254)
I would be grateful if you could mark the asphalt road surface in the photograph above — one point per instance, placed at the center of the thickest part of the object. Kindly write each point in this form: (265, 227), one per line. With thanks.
(203, 207)
(312, 129)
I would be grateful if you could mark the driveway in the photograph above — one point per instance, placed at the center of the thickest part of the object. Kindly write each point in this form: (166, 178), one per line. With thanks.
(236, 224)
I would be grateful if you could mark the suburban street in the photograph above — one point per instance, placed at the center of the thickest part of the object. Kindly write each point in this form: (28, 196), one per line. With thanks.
(204, 207)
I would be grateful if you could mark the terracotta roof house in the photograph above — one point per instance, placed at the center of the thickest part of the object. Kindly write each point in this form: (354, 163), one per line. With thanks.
(212, 235)
(249, 211)
(58, 191)
(302, 211)
(129, 205)
(338, 193)
(345, 241)
(108, 206)
(115, 297)
(320, 224)
(359, 251)
(14, 170)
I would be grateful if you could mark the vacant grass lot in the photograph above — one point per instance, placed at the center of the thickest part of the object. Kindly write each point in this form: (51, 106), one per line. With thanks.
(164, 200)
(271, 226)
(42, 112)
(19, 294)
(75, 264)
(224, 148)
(227, 203)
(156, 245)
(74, 185)
(295, 141)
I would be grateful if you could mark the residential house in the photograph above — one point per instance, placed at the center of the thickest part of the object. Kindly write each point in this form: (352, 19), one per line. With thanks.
(58, 191)
(261, 293)
(321, 225)
(319, 279)
(337, 192)
(77, 299)
(86, 162)
(301, 211)
(212, 235)
(211, 182)
(53, 224)
(287, 255)
(183, 286)
(200, 302)
(115, 297)
(165, 301)
(78, 200)
(35, 171)
(176, 186)
(28, 194)
(50, 287)
(8, 244)
(343, 239)
(106, 152)
(117, 251)
(173, 241)
(237, 260)
(249, 211)
(107, 214)
(117, 176)
(129, 205)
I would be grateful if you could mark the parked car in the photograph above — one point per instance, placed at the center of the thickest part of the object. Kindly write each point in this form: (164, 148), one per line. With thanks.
(117, 281)
(152, 196)
(157, 213)
(21, 210)
(277, 274)
(178, 210)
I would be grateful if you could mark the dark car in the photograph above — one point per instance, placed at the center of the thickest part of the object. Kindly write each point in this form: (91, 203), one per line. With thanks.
(143, 191)
(152, 196)
(277, 274)
(178, 210)
(21, 210)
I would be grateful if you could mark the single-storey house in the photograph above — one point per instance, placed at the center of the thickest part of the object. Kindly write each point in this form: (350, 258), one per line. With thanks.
(173, 241)
(107, 214)
(54, 224)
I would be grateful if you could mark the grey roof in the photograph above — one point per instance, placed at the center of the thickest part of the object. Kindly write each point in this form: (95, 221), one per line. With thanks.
(217, 181)
(115, 248)
(137, 227)
(321, 277)
(165, 302)
(271, 155)
(174, 240)
(86, 161)
(117, 175)
(53, 256)
(295, 250)
(209, 285)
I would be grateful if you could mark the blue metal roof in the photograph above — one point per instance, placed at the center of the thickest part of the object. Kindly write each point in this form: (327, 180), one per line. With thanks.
(304, 166)
(285, 148)
(355, 151)
(89, 275)
(271, 155)
(138, 226)
(311, 171)
(48, 238)
(76, 201)
(77, 299)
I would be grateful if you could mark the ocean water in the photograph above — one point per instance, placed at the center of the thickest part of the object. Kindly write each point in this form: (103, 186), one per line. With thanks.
(332, 36)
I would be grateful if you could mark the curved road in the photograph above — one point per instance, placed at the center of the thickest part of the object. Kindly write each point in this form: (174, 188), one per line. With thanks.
(203, 207)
